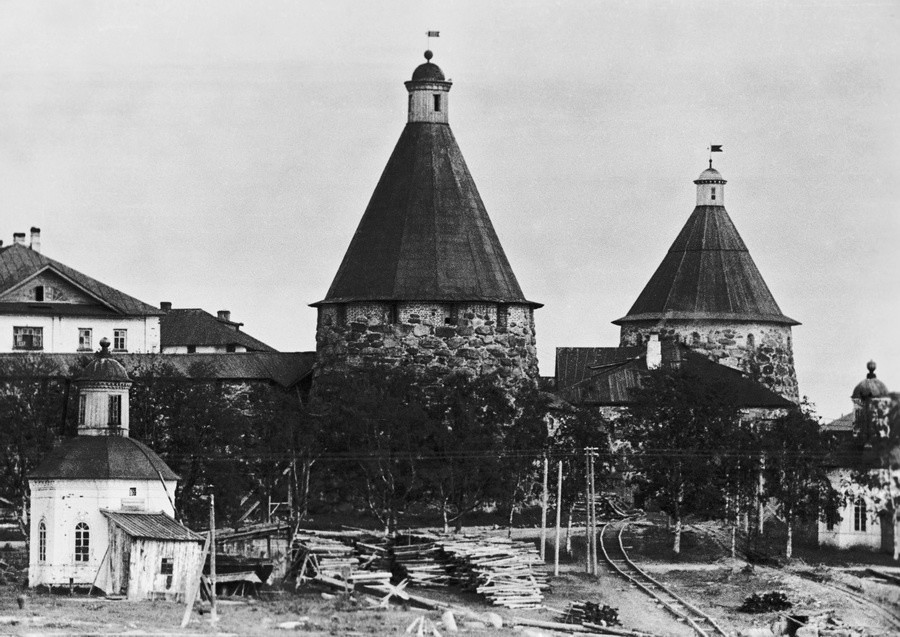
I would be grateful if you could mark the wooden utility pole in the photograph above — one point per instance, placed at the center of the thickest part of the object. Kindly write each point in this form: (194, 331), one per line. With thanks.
(587, 510)
(593, 515)
(558, 519)
(213, 617)
(544, 513)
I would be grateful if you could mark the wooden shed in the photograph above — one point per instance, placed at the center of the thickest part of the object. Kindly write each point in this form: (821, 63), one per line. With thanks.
(150, 555)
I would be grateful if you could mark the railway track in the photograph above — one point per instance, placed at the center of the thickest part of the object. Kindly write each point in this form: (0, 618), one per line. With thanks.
(614, 553)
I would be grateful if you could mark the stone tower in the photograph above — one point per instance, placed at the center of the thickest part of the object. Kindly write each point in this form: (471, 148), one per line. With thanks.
(425, 280)
(709, 294)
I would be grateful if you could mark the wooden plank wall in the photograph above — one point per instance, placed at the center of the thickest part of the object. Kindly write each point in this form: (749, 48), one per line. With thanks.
(145, 579)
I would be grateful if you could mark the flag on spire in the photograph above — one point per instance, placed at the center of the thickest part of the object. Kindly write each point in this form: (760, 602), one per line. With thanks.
(434, 34)
(715, 148)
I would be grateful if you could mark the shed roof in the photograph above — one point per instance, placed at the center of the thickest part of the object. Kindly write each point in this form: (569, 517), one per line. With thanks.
(708, 273)
(18, 263)
(425, 235)
(102, 458)
(155, 526)
(284, 368)
(602, 376)
(193, 326)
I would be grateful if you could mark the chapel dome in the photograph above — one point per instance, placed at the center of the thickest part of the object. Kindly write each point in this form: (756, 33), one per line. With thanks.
(102, 458)
(428, 72)
(104, 368)
(710, 174)
(870, 387)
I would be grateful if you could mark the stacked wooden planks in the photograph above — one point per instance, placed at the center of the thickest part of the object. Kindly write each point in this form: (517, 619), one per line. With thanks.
(422, 563)
(340, 555)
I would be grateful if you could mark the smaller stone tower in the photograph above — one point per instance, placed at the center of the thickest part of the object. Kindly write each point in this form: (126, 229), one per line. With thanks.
(709, 294)
(425, 281)
(871, 406)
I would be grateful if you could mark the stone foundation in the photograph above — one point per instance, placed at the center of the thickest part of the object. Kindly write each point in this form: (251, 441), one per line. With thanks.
(763, 351)
(438, 337)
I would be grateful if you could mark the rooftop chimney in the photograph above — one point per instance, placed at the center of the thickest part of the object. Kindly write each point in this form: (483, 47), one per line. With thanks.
(36, 239)
(654, 351)
(165, 306)
(19, 237)
(225, 315)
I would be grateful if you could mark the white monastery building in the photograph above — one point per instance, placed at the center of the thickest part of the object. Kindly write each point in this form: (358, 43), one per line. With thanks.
(102, 504)
(47, 307)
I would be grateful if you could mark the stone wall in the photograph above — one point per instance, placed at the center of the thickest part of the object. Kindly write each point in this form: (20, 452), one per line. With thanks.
(763, 351)
(481, 337)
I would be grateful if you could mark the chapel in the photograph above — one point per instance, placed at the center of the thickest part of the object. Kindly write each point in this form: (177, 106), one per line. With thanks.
(425, 280)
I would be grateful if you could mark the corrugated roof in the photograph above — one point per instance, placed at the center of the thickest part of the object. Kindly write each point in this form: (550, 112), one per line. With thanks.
(283, 368)
(100, 458)
(426, 234)
(19, 262)
(197, 327)
(708, 273)
(600, 376)
(155, 526)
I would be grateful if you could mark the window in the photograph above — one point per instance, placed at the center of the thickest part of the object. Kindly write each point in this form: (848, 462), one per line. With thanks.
(437, 103)
(115, 410)
(39, 293)
(132, 491)
(192, 349)
(231, 348)
(120, 340)
(167, 566)
(751, 341)
(713, 193)
(502, 316)
(42, 542)
(82, 408)
(28, 338)
(859, 515)
(82, 542)
(85, 342)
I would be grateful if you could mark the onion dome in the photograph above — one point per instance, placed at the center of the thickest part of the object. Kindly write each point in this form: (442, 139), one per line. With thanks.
(428, 72)
(871, 387)
(104, 368)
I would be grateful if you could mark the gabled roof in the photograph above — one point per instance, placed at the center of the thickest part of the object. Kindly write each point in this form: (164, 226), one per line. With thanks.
(284, 368)
(198, 327)
(102, 458)
(18, 263)
(604, 377)
(154, 526)
(425, 235)
(708, 273)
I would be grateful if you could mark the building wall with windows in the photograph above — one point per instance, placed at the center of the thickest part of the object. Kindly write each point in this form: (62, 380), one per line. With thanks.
(860, 525)
(75, 532)
(40, 332)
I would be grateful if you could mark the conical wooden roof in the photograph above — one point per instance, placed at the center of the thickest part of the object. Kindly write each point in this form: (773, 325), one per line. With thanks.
(425, 235)
(708, 273)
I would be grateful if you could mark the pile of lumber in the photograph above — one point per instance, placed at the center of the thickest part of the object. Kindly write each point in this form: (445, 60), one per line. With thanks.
(498, 568)
(422, 563)
(350, 556)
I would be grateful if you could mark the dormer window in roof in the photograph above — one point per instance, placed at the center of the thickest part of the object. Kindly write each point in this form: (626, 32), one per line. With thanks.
(39, 293)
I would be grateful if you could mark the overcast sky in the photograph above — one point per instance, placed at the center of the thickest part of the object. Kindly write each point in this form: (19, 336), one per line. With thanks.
(220, 154)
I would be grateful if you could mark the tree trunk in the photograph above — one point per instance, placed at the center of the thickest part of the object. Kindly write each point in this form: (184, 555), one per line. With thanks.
(896, 535)
(759, 491)
(569, 534)
(677, 546)
(444, 513)
(789, 548)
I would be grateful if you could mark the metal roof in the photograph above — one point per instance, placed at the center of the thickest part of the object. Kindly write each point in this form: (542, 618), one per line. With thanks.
(284, 368)
(155, 526)
(19, 262)
(708, 273)
(425, 235)
(599, 376)
(102, 458)
(194, 326)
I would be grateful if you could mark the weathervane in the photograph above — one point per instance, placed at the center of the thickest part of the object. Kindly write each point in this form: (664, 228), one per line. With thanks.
(432, 34)
(713, 148)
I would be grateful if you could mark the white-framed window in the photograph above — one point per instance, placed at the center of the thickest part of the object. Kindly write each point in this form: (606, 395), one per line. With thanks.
(85, 339)
(42, 542)
(859, 515)
(132, 491)
(82, 408)
(120, 340)
(82, 542)
(28, 338)
(115, 410)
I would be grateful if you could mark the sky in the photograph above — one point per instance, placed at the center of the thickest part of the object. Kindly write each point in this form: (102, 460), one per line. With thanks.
(219, 154)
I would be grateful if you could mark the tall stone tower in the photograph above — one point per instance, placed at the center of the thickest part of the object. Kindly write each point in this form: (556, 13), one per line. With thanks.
(709, 294)
(425, 280)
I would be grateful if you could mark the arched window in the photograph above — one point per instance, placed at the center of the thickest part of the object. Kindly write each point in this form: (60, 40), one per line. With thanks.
(82, 542)
(42, 542)
(859, 515)
(751, 341)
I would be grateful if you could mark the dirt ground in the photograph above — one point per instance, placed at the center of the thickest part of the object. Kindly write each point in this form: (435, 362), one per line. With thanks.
(714, 582)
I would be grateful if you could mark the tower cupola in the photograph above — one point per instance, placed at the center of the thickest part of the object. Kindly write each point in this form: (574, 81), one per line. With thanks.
(710, 187)
(428, 90)
(103, 396)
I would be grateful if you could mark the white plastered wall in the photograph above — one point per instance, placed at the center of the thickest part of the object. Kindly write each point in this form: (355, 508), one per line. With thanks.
(60, 333)
(62, 504)
(843, 535)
